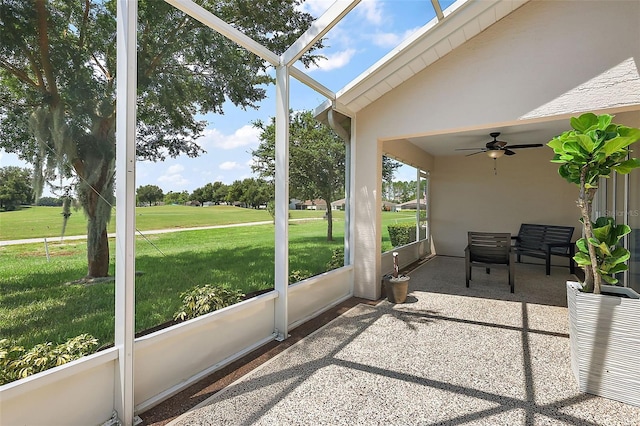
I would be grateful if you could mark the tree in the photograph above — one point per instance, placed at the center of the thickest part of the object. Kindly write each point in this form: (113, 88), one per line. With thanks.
(58, 70)
(220, 191)
(176, 197)
(317, 157)
(15, 187)
(593, 149)
(389, 167)
(150, 194)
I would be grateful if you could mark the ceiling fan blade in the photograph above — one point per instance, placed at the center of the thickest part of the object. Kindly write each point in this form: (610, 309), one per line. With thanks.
(527, 145)
(508, 152)
(479, 152)
(468, 149)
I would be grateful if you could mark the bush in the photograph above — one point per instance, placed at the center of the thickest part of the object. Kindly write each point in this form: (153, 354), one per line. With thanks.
(18, 363)
(337, 259)
(202, 300)
(402, 234)
(298, 275)
(50, 202)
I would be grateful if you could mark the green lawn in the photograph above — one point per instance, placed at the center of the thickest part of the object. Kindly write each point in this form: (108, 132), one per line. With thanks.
(37, 304)
(40, 222)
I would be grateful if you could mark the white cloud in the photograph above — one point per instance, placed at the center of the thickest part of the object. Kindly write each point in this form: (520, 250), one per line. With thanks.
(316, 7)
(175, 181)
(335, 61)
(371, 10)
(246, 135)
(175, 169)
(388, 40)
(173, 178)
(229, 165)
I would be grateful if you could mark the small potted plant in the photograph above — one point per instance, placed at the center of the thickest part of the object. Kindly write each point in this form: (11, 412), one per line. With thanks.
(604, 336)
(397, 286)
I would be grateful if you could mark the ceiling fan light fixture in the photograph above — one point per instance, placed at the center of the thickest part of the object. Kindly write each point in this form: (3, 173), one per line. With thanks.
(495, 153)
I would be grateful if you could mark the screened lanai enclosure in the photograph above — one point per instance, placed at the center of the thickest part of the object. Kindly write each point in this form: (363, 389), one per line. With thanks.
(521, 68)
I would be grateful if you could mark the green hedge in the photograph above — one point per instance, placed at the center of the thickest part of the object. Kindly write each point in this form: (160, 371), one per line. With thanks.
(402, 233)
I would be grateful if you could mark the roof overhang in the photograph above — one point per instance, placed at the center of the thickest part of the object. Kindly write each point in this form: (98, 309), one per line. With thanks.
(462, 20)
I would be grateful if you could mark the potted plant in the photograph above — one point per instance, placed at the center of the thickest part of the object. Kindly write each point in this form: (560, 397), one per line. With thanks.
(397, 286)
(603, 318)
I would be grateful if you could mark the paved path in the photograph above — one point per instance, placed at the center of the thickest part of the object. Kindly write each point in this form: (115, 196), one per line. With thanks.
(154, 231)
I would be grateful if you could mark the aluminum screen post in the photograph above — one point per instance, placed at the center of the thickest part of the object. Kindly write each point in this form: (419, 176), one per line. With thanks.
(127, 11)
(282, 202)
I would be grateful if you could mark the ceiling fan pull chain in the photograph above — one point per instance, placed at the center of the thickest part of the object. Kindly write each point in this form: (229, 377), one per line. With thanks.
(495, 170)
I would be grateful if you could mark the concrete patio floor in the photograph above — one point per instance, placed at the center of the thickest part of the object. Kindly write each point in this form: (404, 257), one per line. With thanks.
(449, 355)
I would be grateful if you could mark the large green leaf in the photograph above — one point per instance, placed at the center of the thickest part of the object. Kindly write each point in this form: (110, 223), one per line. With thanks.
(586, 142)
(616, 144)
(556, 144)
(582, 246)
(582, 259)
(584, 122)
(626, 166)
(604, 121)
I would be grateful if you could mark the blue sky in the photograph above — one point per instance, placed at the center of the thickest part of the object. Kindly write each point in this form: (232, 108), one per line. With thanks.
(368, 33)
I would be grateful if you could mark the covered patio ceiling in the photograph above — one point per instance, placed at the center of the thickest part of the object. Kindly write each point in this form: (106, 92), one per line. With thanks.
(448, 142)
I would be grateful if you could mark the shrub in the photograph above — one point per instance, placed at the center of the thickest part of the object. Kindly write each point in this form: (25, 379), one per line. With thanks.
(337, 259)
(50, 202)
(402, 234)
(201, 300)
(18, 363)
(298, 275)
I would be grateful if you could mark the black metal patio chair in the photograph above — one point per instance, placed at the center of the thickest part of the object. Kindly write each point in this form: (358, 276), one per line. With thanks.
(489, 250)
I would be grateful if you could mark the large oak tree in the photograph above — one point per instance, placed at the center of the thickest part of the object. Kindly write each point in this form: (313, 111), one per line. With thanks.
(57, 87)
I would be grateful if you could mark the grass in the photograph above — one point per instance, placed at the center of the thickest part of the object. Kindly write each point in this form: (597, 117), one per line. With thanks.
(40, 222)
(37, 304)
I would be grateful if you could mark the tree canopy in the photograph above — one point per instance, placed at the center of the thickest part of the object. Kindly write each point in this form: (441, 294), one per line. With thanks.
(15, 187)
(149, 194)
(57, 86)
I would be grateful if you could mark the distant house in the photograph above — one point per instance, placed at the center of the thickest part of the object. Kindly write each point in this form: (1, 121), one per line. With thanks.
(194, 203)
(338, 204)
(316, 204)
(411, 205)
(388, 206)
(293, 204)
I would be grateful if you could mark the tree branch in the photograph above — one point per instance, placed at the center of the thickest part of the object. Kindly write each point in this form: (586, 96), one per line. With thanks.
(20, 74)
(169, 40)
(43, 41)
(83, 25)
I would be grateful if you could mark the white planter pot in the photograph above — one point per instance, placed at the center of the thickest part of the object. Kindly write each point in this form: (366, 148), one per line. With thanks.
(604, 336)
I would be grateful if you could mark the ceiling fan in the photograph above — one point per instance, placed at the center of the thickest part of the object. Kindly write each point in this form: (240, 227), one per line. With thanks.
(496, 149)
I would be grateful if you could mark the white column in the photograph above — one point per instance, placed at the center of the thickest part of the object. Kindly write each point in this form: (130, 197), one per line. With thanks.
(418, 198)
(366, 172)
(127, 11)
(282, 202)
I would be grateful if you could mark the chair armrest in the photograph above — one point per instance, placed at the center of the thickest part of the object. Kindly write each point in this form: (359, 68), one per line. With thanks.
(568, 244)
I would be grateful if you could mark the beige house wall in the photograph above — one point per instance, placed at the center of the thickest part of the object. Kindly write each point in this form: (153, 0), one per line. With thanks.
(544, 61)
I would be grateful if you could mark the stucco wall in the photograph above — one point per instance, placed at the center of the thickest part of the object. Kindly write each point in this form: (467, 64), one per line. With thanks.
(466, 195)
(521, 67)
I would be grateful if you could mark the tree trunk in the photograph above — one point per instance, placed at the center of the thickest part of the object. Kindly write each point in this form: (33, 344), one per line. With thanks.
(329, 222)
(592, 278)
(98, 255)
(95, 193)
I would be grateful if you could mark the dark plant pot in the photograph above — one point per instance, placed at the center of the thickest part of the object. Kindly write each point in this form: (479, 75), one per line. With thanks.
(397, 289)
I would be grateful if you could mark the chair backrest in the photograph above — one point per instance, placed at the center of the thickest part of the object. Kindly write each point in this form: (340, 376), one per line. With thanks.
(489, 247)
